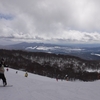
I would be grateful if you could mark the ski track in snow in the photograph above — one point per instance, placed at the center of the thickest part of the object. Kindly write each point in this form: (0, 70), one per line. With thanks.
(35, 87)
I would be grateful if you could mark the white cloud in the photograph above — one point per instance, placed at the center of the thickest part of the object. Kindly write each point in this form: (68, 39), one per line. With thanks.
(50, 21)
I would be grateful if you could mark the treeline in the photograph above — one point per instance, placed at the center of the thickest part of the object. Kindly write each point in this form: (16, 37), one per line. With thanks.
(52, 65)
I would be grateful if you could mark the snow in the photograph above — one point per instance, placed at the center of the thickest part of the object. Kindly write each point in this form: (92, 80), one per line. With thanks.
(45, 48)
(92, 70)
(35, 87)
(31, 47)
(95, 54)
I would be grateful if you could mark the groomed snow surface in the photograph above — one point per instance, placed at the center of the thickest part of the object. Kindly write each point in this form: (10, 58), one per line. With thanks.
(35, 87)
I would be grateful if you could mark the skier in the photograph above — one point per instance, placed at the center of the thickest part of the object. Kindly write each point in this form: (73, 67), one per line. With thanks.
(26, 74)
(16, 72)
(2, 76)
(7, 69)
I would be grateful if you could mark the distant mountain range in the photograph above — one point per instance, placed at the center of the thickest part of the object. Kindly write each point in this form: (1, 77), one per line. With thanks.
(89, 53)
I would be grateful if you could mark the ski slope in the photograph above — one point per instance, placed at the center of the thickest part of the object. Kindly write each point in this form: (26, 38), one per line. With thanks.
(35, 87)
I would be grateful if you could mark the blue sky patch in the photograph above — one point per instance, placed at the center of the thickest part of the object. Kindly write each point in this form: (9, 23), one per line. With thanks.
(6, 16)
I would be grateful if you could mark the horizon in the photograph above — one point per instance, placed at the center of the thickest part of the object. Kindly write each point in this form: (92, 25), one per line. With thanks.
(69, 44)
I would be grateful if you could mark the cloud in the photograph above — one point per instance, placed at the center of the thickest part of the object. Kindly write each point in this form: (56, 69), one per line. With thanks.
(65, 21)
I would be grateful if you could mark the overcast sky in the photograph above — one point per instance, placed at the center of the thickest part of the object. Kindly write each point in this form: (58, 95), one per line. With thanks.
(50, 21)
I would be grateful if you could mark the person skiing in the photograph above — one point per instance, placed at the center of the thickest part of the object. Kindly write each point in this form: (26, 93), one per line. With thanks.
(2, 75)
(26, 74)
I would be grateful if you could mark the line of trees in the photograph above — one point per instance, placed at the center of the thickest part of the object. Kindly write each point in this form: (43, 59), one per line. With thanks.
(51, 65)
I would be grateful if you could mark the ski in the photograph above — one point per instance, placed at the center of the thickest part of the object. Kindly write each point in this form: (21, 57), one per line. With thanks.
(6, 86)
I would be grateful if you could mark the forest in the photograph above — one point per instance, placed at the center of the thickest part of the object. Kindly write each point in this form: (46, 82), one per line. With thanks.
(64, 67)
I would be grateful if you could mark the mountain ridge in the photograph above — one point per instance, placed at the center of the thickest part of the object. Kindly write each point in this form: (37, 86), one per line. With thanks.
(90, 53)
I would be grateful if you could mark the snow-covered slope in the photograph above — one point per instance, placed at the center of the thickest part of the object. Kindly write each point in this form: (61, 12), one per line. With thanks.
(35, 87)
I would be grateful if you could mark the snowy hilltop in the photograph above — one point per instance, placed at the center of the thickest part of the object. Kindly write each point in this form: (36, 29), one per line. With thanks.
(35, 87)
